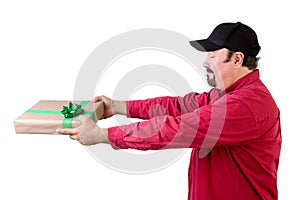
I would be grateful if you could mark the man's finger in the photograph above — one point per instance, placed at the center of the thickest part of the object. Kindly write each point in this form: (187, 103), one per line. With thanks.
(102, 117)
(96, 99)
(80, 141)
(74, 137)
(69, 131)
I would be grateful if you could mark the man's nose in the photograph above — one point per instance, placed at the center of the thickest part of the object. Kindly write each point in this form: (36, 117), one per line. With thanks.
(206, 64)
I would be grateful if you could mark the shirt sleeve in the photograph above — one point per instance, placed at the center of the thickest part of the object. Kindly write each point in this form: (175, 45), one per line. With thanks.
(227, 122)
(161, 106)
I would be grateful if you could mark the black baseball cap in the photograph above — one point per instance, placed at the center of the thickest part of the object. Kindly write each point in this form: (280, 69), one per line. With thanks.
(233, 36)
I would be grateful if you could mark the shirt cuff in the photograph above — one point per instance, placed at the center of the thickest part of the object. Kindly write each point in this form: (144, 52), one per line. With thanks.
(115, 137)
(133, 108)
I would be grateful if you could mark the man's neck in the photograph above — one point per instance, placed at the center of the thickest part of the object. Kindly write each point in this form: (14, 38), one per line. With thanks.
(243, 72)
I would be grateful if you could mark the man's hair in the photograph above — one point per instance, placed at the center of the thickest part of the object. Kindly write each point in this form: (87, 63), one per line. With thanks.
(249, 61)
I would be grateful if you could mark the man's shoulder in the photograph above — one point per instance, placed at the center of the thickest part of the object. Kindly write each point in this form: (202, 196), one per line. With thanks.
(254, 91)
(257, 97)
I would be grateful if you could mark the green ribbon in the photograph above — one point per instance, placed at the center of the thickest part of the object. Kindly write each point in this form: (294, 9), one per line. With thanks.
(67, 122)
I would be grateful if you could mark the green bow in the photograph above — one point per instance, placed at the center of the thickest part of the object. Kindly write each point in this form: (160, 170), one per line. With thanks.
(72, 110)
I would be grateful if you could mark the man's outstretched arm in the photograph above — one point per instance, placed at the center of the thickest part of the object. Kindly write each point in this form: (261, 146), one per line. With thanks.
(220, 124)
(153, 107)
(88, 133)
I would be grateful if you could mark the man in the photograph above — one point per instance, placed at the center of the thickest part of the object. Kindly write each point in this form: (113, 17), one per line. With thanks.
(234, 129)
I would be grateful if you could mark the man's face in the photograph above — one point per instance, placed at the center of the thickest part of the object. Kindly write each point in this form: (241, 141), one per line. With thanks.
(218, 71)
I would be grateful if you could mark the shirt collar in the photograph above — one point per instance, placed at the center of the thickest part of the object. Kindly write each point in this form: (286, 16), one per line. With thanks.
(215, 93)
(246, 80)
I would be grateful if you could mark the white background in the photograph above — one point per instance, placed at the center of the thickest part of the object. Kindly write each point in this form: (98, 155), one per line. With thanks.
(42, 47)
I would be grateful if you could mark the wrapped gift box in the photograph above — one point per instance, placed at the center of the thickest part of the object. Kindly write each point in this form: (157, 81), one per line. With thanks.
(45, 116)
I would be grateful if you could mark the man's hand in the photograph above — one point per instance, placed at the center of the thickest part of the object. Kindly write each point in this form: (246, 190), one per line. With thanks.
(107, 102)
(87, 132)
(111, 107)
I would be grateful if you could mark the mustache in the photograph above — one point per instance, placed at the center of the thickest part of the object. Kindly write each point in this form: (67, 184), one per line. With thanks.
(209, 70)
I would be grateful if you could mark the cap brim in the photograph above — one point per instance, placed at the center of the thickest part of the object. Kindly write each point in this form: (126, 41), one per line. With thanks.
(205, 45)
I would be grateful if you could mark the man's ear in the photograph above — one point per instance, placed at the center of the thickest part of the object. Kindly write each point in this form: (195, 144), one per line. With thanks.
(238, 59)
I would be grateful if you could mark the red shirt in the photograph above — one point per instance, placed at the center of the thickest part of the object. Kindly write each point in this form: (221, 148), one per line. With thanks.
(235, 136)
